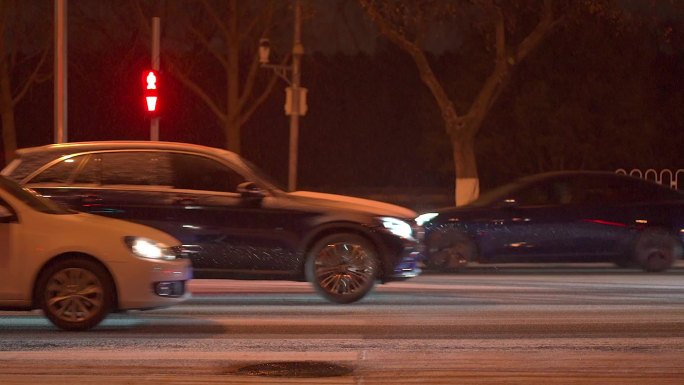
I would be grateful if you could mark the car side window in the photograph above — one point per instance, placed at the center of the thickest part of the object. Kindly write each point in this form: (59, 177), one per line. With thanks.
(593, 191)
(60, 172)
(535, 195)
(602, 190)
(90, 172)
(642, 191)
(140, 168)
(194, 172)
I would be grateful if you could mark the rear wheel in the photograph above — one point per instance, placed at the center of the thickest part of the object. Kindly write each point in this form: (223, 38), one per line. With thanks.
(342, 267)
(656, 249)
(75, 293)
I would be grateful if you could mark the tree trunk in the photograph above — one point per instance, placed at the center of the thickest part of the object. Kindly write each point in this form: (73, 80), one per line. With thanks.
(233, 137)
(9, 134)
(467, 184)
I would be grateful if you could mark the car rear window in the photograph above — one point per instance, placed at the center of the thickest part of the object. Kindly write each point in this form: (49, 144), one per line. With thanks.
(29, 163)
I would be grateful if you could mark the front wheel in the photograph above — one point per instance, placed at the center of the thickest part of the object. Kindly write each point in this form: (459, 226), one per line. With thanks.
(75, 293)
(342, 267)
(656, 249)
(449, 250)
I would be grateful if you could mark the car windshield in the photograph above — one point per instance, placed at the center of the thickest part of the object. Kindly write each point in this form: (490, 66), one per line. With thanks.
(31, 198)
(271, 184)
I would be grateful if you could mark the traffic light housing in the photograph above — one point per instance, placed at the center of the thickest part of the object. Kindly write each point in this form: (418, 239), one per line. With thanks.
(151, 91)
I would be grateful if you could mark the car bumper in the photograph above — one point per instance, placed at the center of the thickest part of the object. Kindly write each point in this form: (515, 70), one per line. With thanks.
(408, 267)
(405, 259)
(146, 284)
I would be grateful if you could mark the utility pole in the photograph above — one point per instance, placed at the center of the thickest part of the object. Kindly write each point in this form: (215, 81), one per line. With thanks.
(297, 52)
(295, 99)
(60, 72)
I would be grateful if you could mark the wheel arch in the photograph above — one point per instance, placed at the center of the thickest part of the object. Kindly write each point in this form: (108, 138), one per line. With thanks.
(653, 230)
(68, 255)
(340, 228)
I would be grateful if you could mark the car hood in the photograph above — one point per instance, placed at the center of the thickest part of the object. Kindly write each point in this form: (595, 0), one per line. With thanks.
(344, 202)
(97, 225)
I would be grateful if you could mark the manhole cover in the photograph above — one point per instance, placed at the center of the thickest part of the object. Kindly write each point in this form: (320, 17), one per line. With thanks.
(295, 369)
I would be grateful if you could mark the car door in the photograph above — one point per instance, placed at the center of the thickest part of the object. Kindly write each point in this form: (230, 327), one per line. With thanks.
(584, 218)
(613, 209)
(532, 224)
(526, 225)
(230, 232)
(9, 286)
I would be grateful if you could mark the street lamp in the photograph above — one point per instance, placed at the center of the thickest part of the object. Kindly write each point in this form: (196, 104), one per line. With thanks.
(295, 95)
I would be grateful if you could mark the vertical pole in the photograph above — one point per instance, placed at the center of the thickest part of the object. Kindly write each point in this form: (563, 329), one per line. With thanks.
(60, 87)
(297, 52)
(154, 122)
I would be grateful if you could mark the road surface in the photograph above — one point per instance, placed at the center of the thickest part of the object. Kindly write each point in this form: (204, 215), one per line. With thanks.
(485, 326)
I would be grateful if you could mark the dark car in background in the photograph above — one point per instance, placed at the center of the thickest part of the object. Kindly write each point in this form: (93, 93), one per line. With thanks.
(562, 217)
(232, 220)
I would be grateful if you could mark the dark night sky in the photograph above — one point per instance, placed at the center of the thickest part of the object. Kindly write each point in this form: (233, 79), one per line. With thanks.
(372, 125)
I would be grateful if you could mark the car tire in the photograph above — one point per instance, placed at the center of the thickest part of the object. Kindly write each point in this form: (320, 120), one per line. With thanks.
(656, 249)
(449, 250)
(75, 293)
(342, 267)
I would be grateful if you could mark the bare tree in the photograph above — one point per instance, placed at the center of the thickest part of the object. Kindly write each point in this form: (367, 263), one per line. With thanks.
(224, 35)
(25, 49)
(511, 39)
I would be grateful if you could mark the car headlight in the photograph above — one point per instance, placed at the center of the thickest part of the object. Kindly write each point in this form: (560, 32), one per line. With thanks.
(397, 227)
(147, 248)
(422, 218)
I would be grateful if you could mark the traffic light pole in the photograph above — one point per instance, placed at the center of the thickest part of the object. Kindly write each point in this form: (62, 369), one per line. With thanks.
(154, 122)
(60, 104)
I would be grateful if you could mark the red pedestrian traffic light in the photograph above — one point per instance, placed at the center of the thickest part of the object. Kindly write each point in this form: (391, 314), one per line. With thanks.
(150, 87)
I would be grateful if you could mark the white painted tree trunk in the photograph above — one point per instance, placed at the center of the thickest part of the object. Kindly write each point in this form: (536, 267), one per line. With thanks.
(467, 190)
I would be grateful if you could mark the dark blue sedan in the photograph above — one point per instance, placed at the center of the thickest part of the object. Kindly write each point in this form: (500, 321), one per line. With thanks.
(575, 216)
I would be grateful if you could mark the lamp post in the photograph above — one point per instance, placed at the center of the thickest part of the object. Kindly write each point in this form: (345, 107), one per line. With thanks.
(295, 99)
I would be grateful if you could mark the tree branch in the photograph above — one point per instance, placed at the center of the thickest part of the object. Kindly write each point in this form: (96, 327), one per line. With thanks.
(247, 113)
(216, 19)
(207, 44)
(197, 90)
(32, 79)
(534, 39)
(424, 69)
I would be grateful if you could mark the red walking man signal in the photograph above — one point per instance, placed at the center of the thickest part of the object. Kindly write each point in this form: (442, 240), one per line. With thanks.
(150, 87)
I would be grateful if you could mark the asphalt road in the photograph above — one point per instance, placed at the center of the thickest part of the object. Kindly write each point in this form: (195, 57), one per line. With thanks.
(513, 325)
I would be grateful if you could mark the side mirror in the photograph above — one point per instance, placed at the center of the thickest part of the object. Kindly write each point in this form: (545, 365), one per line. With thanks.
(250, 190)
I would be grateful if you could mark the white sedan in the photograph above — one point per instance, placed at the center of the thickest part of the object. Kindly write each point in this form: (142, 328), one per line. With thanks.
(78, 267)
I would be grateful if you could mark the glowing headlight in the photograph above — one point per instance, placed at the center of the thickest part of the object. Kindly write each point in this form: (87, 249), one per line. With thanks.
(397, 227)
(422, 218)
(147, 248)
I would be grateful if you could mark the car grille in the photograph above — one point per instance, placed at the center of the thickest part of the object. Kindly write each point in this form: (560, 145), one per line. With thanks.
(180, 252)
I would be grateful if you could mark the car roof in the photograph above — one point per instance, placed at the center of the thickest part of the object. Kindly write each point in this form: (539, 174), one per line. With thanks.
(553, 174)
(30, 159)
(74, 147)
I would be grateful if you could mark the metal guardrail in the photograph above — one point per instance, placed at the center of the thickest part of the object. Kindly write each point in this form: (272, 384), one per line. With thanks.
(672, 178)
